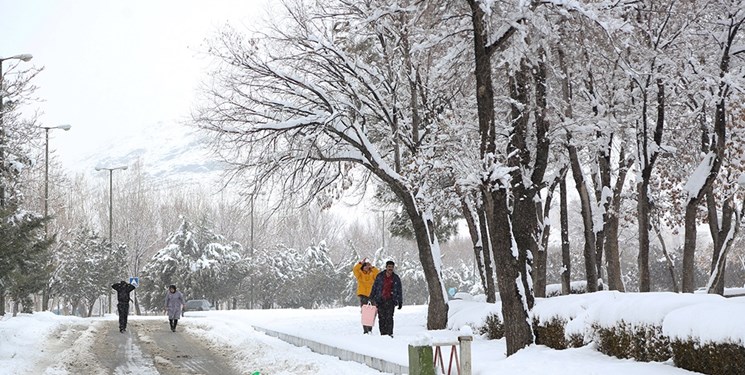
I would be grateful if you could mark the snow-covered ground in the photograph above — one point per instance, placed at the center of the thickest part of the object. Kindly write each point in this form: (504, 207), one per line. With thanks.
(24, 339)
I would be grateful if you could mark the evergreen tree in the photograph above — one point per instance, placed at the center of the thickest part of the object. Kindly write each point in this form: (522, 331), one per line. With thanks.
(87, 266)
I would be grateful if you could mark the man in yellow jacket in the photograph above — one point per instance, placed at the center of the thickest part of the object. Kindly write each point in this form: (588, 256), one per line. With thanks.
(365, 274)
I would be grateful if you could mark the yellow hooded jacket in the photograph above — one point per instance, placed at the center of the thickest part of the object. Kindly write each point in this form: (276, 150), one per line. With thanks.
(364, 280)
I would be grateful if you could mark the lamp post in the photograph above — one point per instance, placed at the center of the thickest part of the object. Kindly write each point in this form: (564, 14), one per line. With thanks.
(382, 227)
(23, 57)
(46, 170)
(252, 197)
(111, 206)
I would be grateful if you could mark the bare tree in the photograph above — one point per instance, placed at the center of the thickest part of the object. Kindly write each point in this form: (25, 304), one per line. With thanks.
(298, 108)
(702, 179)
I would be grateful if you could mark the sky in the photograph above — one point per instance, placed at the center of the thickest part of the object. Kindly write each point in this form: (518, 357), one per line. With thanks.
(29, 339)
(114, 68)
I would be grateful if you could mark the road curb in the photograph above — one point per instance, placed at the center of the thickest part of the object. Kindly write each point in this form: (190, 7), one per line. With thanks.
(343, 354)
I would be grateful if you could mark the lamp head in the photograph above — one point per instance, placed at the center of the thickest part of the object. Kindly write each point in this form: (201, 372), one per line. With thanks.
(123, 167)
(23, 57)
(65, 127)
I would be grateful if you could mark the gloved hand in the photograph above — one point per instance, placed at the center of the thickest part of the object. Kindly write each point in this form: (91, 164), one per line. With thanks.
(399, 306)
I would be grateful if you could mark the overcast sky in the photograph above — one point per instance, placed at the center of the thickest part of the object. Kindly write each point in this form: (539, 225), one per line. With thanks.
(114, 67)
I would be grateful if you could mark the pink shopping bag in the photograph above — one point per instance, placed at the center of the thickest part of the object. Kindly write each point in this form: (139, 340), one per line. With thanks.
(368, 314)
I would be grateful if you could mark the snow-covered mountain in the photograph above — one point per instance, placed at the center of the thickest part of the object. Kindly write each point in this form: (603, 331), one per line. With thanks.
(171, 153)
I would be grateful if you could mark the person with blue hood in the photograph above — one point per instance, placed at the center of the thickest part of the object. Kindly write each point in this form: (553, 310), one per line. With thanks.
(123, 289)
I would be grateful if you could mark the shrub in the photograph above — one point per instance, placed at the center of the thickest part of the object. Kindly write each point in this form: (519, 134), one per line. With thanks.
(643, 343)
(713, 359)
(575, 340)
(551, 333)
(493, 327)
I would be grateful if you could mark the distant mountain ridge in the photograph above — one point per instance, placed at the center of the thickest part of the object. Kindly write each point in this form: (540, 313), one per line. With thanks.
(170, 153)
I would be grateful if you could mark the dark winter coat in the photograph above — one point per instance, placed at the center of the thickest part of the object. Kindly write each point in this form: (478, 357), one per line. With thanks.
(122, 291)
(377, 290)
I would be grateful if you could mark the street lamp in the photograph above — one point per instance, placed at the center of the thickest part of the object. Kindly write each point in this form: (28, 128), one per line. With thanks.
(111, 215)
(46, 169)
(382, 231)
(252, 197)
(23, 57)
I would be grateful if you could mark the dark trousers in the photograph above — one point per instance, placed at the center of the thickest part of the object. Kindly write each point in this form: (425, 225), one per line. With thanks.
(123, 310)
(385, 317)
(363, 301)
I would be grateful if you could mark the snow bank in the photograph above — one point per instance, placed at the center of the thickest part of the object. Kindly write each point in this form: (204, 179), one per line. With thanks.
(471, 313)
(709, 322)
(639, 309)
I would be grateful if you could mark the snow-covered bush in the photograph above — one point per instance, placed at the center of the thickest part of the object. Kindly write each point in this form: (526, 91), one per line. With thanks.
(703, 338)
(493, 327)
(487, 321)
(551, 333)
(643, 342)
(568, 314)
(629, 325)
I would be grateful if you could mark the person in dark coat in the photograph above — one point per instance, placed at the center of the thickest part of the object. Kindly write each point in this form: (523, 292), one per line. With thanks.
(174, 306)
(387, 294)
(123, 289)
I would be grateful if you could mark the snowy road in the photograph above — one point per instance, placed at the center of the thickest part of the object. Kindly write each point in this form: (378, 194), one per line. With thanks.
(148, 347)
(200, 346)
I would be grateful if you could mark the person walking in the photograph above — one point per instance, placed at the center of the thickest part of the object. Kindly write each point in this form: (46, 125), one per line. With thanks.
(174, 306)
(365, 274)
(123, 289)
(387, 294)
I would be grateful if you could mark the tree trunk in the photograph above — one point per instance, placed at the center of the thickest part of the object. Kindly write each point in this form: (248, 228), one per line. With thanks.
(647, 158)
(524, 214)
(713, 159)
(541, 258)
(476, 223)
(566, 260)
(612, 255)
(45, 298)
(643, 223)
(591, 274)
(716, 280)
(512, 273)
(719, 236)
(518, 331)
(602, 176)
(729, 231)
(602, 198)
(689, 247)
(541, 226)
(429, 249)
(484, 85)
(670, 263)
(491, 288)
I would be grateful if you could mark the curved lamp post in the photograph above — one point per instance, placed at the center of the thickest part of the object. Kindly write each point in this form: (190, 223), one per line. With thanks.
(111, 216)
(46, 169)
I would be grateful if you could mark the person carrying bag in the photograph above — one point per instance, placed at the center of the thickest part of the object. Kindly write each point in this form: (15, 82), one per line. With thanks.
(365, 274)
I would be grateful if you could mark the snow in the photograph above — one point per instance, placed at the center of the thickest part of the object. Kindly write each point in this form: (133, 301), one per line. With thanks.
(697, 180)
(27, 338)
